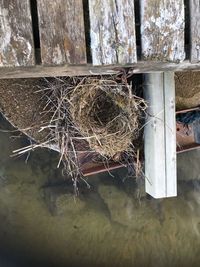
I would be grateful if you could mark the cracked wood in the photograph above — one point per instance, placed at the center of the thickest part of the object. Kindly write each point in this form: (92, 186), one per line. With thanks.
(16, 40)
(112, 29)
(62, 35)
(195, 31)
(162, 30)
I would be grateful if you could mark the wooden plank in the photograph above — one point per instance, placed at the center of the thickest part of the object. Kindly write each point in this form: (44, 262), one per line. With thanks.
(160, 136)
(170, 134)
(112, 27)
(82, 70)
(62, 35)
(16, 40)
(155, 137)
(162, 30)
(195, 31)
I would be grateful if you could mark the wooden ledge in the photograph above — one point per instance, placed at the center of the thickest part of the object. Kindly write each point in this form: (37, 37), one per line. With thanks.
(89, 69)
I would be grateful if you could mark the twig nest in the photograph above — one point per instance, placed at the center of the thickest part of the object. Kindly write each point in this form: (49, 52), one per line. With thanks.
(106, 114)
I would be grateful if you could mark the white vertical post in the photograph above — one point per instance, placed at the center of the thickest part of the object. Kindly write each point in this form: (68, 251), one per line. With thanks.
(155, 136)
(170, 134)
(160, 137)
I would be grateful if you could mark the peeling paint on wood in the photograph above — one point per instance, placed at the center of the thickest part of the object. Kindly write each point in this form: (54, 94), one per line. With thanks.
(162, 30)
(195, 31)
(112, 28)
(62, 35)
(16, 40)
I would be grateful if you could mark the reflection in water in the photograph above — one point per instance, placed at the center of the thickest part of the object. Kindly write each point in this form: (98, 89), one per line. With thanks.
(41, 224)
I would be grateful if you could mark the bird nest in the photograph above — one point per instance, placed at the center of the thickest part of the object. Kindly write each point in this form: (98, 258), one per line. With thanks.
(96, 118)
(107, 115)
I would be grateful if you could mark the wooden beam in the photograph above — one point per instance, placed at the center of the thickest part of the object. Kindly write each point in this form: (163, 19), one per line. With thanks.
(62, 35)
(160, 136)
(82, 70)
(195, 31)
(112, 27)
(162, 30)
(16, 40)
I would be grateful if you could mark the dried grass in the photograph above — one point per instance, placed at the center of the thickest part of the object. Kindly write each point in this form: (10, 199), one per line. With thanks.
(106, 114)
(91, 115)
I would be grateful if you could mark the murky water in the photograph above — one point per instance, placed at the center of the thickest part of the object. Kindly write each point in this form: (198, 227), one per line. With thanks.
(41, 224)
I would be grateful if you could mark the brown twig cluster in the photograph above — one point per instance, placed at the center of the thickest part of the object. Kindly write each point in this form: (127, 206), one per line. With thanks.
(91, 115)
(106, 114)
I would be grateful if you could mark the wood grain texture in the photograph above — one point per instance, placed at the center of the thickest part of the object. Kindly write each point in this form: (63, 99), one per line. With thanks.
(16, 40)
(62, 35)
(112, 27)
(195, 31)
(73, 70)
(162, 30)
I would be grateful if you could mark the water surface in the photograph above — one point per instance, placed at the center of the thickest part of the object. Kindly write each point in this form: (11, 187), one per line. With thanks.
(113, 223)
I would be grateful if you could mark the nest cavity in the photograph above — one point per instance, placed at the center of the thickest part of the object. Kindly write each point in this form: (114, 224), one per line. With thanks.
(106, 114)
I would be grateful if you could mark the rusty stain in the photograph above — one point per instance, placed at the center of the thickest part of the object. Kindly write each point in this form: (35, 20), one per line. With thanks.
(185, 135)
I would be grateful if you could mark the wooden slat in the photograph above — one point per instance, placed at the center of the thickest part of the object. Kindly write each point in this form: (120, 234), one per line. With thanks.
(62, 35)
(112, 27)
(160, 136)
(162, 30)
(195, 31)
(73, 70)
(16, 41)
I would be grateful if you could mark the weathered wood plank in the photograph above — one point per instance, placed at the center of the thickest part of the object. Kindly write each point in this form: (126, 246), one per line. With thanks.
(162, 30)
(170, 134)
(112, 27)
(82, 70)
(16, 40)
(195, 31)
(62, 35)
